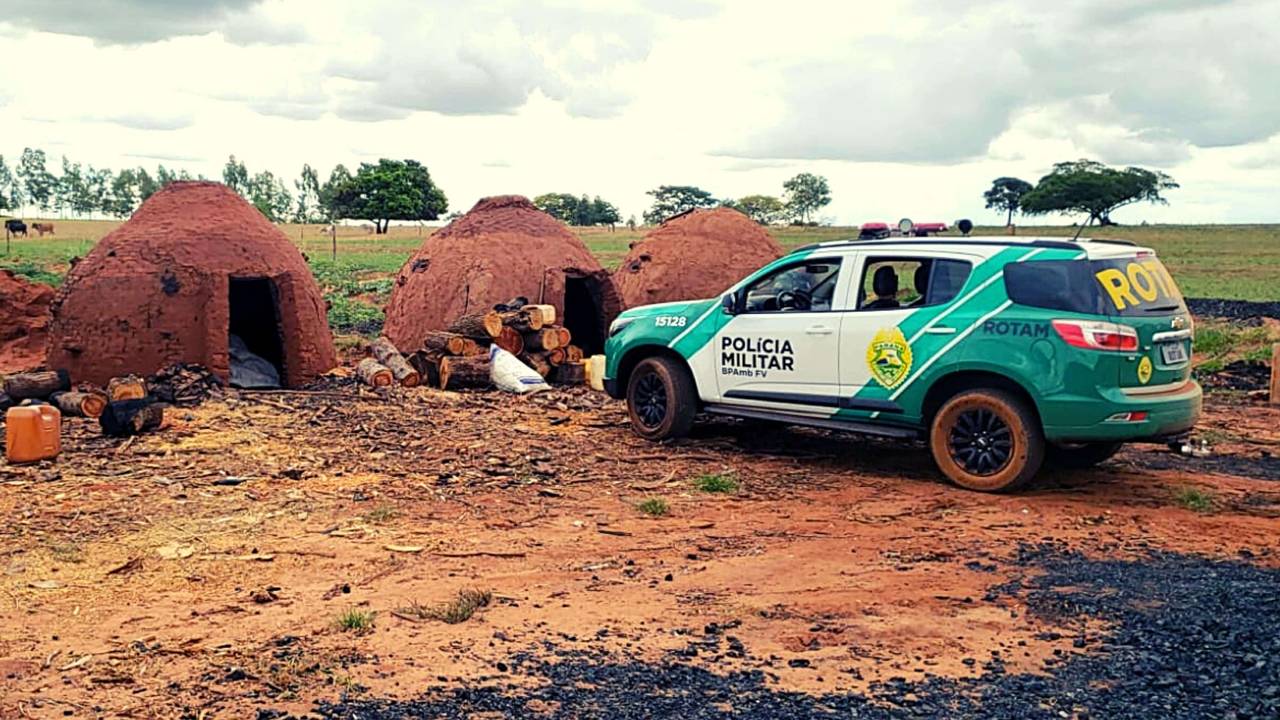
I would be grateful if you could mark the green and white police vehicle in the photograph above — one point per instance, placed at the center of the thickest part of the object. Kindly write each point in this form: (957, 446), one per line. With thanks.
(999, 352)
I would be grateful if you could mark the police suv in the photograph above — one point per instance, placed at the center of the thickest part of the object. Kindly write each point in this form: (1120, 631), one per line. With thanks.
(1000, 352)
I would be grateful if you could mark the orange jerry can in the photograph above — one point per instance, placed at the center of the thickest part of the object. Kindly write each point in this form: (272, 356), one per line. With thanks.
(32, 433)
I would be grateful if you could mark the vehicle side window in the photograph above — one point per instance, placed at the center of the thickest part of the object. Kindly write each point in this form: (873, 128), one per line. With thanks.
(809, 286)
(889, 283)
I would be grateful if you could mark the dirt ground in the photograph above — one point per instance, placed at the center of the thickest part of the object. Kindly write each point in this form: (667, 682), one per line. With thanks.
(200, 572)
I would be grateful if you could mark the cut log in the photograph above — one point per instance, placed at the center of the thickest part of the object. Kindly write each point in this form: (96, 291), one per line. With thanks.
(1275, 374)
(79, 404)
(510, 340)
(446, 343)
(40, 384)
(374, 374)
(522, 320)
(387, 354)
(457, 373)
(428, 366)
(544, 339)
(471, 347)
(6, 402)
(571, 374)
(480, 326)
(131, 417)
(566, 337)
(573, 353)
(129, 387)
(548, 313)
(557, 357)
(538, 361)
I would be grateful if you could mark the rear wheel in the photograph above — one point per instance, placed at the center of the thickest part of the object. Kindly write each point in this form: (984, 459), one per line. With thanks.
(661, 399)
(1080, 456)
(987, 440)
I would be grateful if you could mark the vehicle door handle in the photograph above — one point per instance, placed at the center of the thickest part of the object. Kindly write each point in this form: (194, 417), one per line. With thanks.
(940, 330)
(818, 330)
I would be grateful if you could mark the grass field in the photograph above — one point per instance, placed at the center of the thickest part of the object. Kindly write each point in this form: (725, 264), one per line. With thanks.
(1240, 262)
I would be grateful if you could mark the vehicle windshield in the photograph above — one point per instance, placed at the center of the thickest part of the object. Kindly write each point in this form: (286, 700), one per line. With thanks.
(1130, 286)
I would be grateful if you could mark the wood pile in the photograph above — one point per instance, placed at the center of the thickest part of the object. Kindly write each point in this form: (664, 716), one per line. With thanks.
(458, 358)
(54, 387)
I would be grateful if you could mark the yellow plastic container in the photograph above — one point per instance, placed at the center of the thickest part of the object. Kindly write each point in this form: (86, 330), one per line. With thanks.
(595, 372)
(32, 433)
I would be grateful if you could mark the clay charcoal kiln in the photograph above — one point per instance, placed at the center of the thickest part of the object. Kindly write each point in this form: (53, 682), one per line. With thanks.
(694, 255)
(197, 275)
(502, 249)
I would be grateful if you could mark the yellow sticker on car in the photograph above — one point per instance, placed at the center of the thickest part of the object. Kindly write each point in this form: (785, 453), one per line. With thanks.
(889, 357)
(1144, 371)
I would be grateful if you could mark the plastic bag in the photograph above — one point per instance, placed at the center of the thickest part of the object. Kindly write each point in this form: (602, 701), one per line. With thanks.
(510, 375)
(249, 370)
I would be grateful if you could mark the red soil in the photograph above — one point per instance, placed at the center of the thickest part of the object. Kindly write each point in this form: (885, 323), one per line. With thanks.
(694, 256)
(155, 291)
(503, 248)
(24, 322)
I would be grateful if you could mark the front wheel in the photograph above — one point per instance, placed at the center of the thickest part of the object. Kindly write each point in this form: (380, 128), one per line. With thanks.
(987, 440)
(661, 399)
(1081, 456)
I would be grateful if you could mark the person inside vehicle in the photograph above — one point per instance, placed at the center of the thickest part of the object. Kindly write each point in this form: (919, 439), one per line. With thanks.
(921, 282)
(885, 286)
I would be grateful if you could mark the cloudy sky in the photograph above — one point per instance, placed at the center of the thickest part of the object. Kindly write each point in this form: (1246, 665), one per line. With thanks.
(910, 108)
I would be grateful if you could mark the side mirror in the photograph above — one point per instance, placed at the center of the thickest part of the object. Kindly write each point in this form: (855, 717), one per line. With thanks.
(730, 304)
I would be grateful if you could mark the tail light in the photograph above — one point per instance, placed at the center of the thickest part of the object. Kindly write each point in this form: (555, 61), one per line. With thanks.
(1094, 335)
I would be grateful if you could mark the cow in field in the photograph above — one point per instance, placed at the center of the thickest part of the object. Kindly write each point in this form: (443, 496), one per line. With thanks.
(42, 228)
(15, 228)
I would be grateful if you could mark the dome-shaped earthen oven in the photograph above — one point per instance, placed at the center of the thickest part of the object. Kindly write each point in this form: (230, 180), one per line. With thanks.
(692, 256)
(195, 265)
(502, 249)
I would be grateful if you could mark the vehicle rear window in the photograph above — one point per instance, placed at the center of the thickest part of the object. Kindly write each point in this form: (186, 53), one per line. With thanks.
(1117, 286)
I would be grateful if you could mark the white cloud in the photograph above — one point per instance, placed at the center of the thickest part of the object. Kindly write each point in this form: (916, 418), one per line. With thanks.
(908, 107)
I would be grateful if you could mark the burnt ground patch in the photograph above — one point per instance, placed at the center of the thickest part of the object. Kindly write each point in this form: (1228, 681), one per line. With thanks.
(1261, 466)
(1185, 637)
(1233, 309)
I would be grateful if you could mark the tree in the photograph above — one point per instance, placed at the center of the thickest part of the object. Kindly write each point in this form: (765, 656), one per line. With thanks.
(1087, 186)
(604, 213)
(123, 197)
(269, 195)
(806, 194)
(8, 188)
(329, 191)
(38, 183)
(1006, 194)
(236, 176)
(561, 206)
(308, 186)
(764, 209)
(98, 183)
(669, 200)
(147, 186)
(390, 190)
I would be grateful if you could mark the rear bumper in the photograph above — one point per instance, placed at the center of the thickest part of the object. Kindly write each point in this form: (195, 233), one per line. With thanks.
(1169, 413)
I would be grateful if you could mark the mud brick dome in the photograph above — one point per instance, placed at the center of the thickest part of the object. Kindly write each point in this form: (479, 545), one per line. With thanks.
(503, 248)
(695, 255)
(24, 322)
(193, 265)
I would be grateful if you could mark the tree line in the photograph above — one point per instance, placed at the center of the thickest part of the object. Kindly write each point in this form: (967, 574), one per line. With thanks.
(1079, 186)
(803, 196)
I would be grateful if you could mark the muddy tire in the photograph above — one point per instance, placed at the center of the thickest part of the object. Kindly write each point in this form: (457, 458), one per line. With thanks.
(1080, 456)
(987, 440)
(661, 399)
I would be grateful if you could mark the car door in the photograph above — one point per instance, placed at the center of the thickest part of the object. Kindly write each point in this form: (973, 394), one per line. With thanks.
(781, 349)
(880, 339)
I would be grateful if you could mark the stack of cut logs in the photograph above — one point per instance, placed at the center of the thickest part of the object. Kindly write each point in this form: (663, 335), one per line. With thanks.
(123, 396)
(458, 358)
